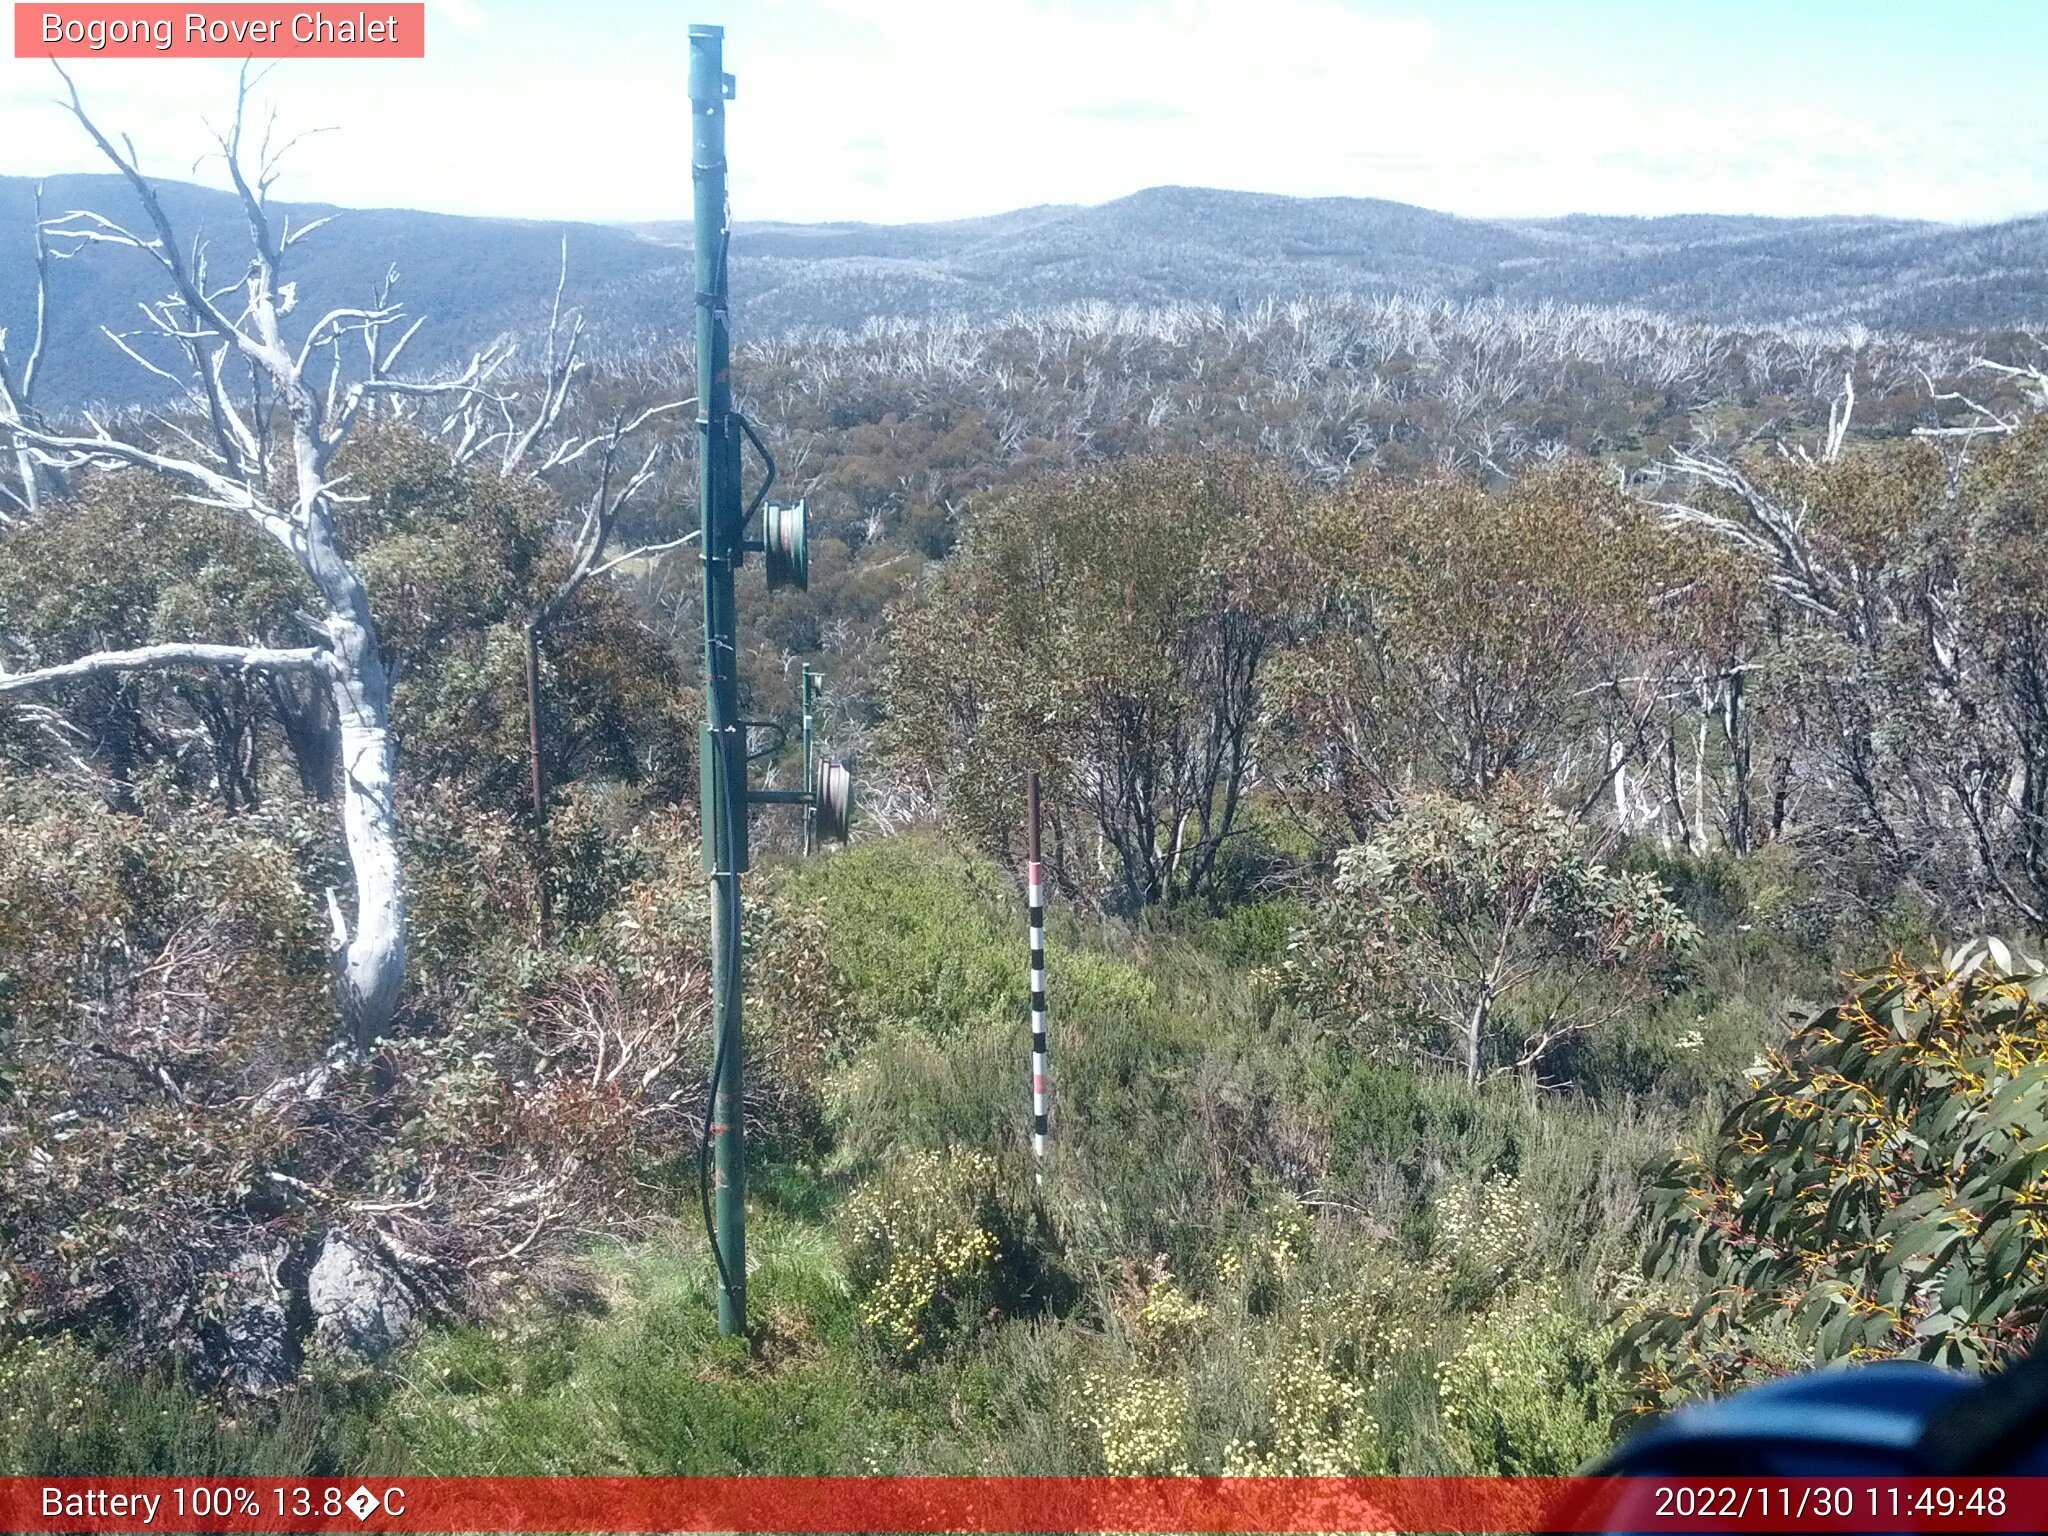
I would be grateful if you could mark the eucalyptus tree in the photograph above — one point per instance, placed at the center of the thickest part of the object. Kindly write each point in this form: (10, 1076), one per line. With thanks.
(1482, 934)
(1905, 649)
(1460, 637)
(1874, 1194)
(1112, 630)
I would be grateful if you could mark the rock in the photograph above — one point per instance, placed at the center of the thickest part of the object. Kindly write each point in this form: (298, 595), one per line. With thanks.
(254, 1348)
(305, 1091)
(360, 1307)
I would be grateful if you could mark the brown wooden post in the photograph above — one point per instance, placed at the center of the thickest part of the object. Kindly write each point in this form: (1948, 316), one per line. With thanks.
(537, 766)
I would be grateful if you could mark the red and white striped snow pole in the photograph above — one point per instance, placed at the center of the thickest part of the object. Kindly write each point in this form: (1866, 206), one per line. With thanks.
(1034, 887)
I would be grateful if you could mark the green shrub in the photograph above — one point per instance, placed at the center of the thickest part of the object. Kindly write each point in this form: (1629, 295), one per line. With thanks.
(161, 972)
(916, 936)
(1254, 935)
(937, 1247)
(469, 884)
(1530, 1393)
(1483, 934)
(1086, 985)
(594, 854)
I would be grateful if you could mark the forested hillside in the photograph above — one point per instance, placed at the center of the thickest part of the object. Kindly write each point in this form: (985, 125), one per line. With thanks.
(1528, 785)
(1164, 246)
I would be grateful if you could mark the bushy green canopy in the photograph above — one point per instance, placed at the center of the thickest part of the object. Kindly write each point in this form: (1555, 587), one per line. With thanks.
(1481, 932)
(1111, 631)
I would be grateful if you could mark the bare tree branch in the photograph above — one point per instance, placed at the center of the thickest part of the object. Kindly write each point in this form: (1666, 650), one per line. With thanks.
(17, 392)
(645, 552)
(160, 657)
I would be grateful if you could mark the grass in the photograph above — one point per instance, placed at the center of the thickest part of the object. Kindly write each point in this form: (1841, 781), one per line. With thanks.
(1271, 1251)
(1193, 1118)
(66, 1412)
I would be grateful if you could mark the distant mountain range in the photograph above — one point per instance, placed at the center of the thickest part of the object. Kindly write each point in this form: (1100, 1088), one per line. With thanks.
(477, 278)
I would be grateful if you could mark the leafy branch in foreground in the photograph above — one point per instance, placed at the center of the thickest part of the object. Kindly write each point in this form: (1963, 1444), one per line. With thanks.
(1882, 1191)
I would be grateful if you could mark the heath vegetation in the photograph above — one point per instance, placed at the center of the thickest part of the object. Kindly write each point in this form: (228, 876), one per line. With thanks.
(1528, 794)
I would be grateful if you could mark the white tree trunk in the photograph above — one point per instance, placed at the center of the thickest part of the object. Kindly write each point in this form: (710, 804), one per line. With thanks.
(372, 962)
(1475, 1037)
(370, 950)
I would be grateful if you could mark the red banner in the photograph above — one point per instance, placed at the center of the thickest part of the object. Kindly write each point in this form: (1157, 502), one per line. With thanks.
(237, 31)
(1022, 1504)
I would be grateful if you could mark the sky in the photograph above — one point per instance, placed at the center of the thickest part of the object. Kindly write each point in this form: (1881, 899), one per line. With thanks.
(899, 110)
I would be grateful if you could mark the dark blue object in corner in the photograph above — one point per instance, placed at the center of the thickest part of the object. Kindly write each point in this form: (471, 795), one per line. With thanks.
(1896, 1418)
(1850, 1421)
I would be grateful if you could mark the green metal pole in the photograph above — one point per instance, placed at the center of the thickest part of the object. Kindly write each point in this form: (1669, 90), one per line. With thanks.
(810, 680)
(722, 758)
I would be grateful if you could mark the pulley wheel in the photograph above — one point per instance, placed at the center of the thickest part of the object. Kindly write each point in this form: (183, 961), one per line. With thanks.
(834, 801)
(786, 546)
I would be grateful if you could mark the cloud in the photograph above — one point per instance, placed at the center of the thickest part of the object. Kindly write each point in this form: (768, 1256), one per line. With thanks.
(1013, 102)
(466, 17)
(929, 109)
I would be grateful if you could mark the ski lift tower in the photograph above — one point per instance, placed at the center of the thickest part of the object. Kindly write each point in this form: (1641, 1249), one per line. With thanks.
(723, 748)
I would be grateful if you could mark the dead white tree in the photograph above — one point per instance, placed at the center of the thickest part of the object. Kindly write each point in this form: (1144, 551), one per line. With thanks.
(2031, 380)
(18, 390)
(1908, 645)
(616, 487)
(1758, 520)
(220, 450)
(618, 484)
(521, 432)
